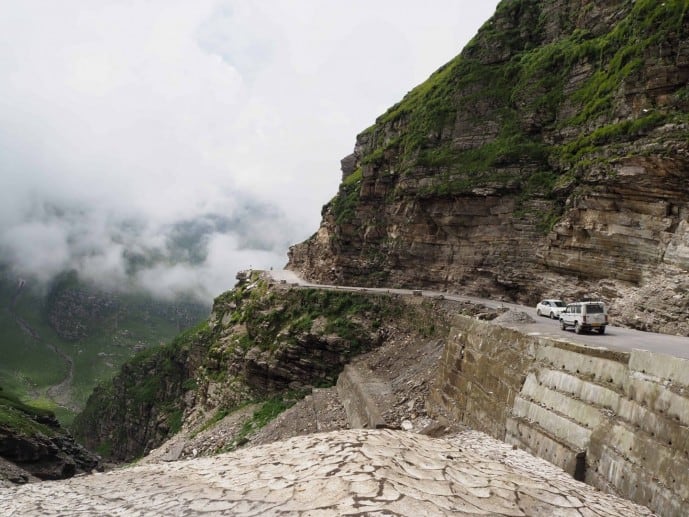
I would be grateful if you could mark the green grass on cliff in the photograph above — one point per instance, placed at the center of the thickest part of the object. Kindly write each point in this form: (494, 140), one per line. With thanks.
(467, 85)
(32, 351)
(296, 312)
(20, 417)
(345, 203)
(268, 411)
(510, 86)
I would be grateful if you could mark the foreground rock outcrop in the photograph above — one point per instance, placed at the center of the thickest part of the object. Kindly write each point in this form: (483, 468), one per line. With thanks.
(549, 158)
(34, 446)
(347, 472)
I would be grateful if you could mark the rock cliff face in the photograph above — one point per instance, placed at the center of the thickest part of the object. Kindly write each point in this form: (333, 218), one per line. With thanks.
(550, 158)
(77, 311)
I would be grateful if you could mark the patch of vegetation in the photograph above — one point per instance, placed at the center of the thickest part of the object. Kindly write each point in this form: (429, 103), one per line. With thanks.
(353, 178)
(174, 419)
(513, 100)
(301, 307)
(24, 418)
(104, 449)
(270, 409)
(190, 384)
(217, 417)
(574, 151)
(621, 52)
(344, 205)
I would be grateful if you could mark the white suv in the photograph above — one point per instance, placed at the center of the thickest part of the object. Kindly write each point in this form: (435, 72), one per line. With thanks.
(584, 316)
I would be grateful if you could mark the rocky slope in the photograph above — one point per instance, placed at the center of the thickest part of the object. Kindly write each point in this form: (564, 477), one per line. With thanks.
(406, 363)
(265, 343)
(549, 158)
(34, 446)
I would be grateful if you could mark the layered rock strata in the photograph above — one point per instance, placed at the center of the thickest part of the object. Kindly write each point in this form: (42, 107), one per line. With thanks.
(549, 159)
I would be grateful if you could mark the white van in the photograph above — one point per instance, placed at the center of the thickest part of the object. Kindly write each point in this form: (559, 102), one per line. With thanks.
(584, 316)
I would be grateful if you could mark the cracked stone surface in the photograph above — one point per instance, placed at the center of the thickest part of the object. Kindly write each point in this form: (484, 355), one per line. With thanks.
(369, 472)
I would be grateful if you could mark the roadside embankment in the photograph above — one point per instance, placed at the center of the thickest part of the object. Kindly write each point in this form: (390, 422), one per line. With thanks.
(616, 420)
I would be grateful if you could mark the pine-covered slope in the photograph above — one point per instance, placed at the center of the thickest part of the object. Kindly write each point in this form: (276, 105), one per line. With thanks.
(549, 158)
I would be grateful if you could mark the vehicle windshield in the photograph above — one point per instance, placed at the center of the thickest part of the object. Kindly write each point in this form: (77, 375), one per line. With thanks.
(559, 303)
(594, 308)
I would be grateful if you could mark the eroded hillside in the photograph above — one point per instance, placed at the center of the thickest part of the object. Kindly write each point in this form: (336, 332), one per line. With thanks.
(549, 158)
(265, 344)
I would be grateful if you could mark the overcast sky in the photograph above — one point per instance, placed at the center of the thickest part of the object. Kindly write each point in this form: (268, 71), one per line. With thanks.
(172, 143)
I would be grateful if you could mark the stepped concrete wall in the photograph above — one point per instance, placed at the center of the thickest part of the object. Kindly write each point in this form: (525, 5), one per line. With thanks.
(618, 421)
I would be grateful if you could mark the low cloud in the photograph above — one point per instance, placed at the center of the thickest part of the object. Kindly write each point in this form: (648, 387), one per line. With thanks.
(193, 257)
(167, 144)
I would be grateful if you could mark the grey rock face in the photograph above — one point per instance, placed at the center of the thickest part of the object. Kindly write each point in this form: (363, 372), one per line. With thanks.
(568, 179)
(41, 456)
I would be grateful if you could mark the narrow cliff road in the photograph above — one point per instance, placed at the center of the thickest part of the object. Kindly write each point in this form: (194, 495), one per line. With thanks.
(615, 338)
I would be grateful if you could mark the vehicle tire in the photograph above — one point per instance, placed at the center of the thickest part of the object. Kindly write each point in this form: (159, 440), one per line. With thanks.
(562, 325)
(601, 330)
(577, 328)
(538, 311)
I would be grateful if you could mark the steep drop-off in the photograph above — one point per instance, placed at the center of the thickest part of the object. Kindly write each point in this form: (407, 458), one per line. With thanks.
(264, 343)
(549, 158)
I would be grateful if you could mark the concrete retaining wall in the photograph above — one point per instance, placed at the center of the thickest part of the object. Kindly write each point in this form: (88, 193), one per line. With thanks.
(361, 394)
(618, 421)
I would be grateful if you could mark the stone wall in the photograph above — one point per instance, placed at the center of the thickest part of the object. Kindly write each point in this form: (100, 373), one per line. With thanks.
(618, 421)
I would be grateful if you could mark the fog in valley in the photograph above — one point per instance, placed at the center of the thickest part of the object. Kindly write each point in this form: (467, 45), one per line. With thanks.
(165, 145)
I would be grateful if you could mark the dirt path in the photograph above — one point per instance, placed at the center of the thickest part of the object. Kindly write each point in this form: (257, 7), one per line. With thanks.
(61, 393)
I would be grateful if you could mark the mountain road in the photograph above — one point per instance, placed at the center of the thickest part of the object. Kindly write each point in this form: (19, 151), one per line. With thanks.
(615, 338)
